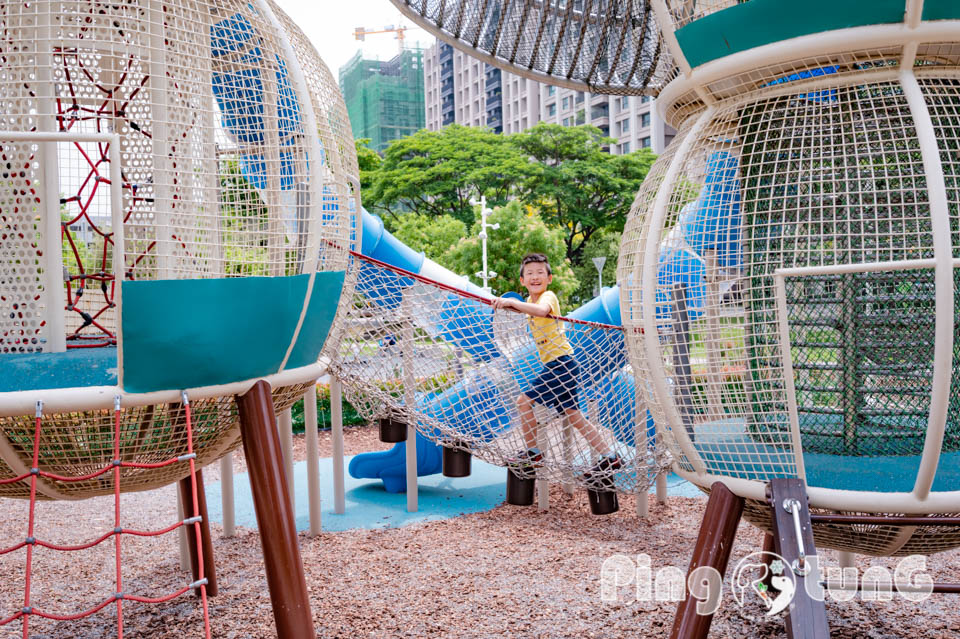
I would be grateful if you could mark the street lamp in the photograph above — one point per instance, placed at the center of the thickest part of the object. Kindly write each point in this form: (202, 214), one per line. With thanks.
(599, 262)
(485, 274)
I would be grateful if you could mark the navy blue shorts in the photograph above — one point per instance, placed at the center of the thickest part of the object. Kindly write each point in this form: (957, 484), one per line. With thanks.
(556, 386)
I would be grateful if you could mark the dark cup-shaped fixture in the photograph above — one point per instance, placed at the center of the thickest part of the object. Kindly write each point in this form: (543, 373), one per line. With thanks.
(519, 489)
(392, 431)
(603, 502)
(456, 461)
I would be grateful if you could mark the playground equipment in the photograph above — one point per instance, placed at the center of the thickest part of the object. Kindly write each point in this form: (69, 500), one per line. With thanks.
(839, 353)
(839, 350)
(801, 341)
(178, 182)
(422, 346)
(603, 46)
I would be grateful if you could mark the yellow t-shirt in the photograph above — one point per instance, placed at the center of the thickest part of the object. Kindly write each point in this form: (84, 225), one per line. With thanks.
(547, 331)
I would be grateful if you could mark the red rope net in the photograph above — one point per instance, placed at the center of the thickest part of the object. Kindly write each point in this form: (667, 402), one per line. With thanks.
(91, 174)
(34, 474)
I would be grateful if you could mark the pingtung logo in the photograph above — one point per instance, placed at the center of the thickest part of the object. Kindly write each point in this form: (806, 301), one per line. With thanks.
(751, 577)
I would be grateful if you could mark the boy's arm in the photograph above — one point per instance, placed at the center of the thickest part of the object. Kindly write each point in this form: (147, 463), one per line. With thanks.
(537, 310)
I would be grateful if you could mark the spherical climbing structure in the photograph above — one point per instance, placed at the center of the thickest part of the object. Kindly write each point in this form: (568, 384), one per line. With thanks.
(789, 268)
(177, 205)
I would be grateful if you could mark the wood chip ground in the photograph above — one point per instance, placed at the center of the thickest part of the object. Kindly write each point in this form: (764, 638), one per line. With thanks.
(510, 572)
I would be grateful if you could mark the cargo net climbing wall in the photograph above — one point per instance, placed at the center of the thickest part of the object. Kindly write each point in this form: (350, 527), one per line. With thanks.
(424, 353)
(39, 608)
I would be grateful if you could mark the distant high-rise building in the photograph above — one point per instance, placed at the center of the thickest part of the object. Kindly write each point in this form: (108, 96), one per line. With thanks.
(462, 89)
(385, 100)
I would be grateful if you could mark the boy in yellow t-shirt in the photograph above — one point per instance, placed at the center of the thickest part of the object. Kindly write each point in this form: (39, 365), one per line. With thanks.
(556, 386)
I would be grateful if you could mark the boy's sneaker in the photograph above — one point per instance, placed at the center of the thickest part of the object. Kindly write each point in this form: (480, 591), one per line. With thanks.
(599, 477)
(528, 458)
(607, 464)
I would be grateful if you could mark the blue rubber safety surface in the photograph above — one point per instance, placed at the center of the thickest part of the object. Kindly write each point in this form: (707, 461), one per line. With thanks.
(369, 506)
(727, 448)
(78, 367)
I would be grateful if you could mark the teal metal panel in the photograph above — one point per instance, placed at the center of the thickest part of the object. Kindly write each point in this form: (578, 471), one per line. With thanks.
(759, 22)
(941, 10)
(319, 318)
(191, 333)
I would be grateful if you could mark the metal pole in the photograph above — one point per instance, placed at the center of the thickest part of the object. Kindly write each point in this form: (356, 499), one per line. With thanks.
(662, 488)
(285, 428)
(275, 516)
(313, 458)
(642, 447)
(483, 239)
(486, 274)
(54, 297)
(409, 397)
(599, 262)
(182, 536)
(336, 424)
(226, 495)
(567, 452)
(543, 486)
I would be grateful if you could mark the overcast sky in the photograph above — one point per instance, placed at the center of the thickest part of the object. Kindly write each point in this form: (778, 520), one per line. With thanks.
(330, 24)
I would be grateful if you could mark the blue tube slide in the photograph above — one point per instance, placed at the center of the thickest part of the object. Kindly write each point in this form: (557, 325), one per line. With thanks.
(712, 221)
(238, 86)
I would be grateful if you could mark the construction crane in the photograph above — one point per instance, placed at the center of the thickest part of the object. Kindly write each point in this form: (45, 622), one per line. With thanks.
(360, 33)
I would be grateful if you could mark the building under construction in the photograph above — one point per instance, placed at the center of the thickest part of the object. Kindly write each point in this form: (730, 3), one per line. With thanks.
(384, 99)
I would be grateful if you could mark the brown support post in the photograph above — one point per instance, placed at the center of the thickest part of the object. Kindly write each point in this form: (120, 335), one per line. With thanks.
(717, 532)
(806, 616)
(275, 517)
(209, 570)
(769, 547)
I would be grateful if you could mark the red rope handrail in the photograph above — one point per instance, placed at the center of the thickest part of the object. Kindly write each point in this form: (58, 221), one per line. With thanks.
(467, 294)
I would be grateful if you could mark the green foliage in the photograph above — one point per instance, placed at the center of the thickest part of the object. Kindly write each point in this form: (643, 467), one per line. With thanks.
(324, 418)
(521, 231)
(368, 161)
(578, 186)
(434, 235)
(606, 244)
(244, 225)
(438, 172)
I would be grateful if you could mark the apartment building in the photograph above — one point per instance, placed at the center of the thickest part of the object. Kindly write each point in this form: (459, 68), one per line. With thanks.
(462, 89)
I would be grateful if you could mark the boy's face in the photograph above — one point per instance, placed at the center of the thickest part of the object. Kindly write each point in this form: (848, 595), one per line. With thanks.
(535, 278)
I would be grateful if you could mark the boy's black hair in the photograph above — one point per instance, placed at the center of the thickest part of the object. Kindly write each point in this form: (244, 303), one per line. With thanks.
(535, 258)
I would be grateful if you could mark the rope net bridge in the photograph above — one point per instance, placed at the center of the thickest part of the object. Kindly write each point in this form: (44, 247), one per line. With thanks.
(37, 478)
(426, 353)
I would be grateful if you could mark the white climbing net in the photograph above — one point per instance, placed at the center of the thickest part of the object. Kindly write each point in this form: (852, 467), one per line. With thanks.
(424, 353)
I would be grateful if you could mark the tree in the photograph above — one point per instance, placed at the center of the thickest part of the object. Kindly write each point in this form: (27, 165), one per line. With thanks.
(521, 231)
(368, 161)
(435, 236)
(602, 244)
(439, 172)
(578, 186)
